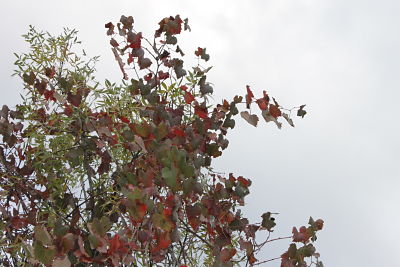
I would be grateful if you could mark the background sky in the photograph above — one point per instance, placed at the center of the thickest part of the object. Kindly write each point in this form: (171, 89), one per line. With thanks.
(341, 58)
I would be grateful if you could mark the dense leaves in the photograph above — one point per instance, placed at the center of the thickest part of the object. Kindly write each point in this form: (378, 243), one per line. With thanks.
(119, 175)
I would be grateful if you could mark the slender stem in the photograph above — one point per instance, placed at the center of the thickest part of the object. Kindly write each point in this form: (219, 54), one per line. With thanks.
(187, 227)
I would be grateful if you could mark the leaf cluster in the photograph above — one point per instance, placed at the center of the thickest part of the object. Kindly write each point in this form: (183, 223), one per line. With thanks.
(114, 175)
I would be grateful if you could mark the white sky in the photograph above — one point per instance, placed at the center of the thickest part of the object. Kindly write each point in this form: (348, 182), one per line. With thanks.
(341, 58)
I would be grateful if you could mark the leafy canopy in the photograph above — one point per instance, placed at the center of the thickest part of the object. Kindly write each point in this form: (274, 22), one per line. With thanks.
(119, 174)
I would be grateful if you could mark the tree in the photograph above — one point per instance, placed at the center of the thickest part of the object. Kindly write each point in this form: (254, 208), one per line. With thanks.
(119, 174)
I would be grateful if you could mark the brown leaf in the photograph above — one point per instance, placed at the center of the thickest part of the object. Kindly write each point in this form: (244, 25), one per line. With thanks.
(250, 118)
(226, 254)
(268, 117)
(120, 63)
(288, 119)
(62, 262)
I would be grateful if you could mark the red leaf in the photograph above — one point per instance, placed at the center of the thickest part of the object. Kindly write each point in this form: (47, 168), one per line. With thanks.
(274, 111)
(114, 244)
(134, 40)
(251, 258)
(49, 94)
(142, 208)
(163, 75)
(245, 182)
(18, 222)
(130, 58)
(170, 26)
(201, 112)
(165, 241)
(198, 51)
(178, 132)
(124, 119)
(262, 103)
(148, 77)
(201, 52)
(189, 98)
(300, 236)
(74, 99)
(226, 254)
(68, 110)
(184, 87)
(167, 211)
(249, 96)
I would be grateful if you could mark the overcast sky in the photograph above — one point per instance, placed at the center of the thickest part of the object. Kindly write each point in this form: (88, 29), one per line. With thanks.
(341, 58)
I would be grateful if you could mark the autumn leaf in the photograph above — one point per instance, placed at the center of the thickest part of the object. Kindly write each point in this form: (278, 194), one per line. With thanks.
(262, 103)
(120, 63)
(29, 78)
(201, 112)
(249, 96)
(134, 40)
(226, 254)
(268, 117)
(189, 98)
(110, 28)
(50, 72)
(114, 244)
(113, 42)
(201, 52)
(288, 119)
(302, 235)
(17, 222)
(144, 63)
(274, 111)
(252, 119)
(163, 75)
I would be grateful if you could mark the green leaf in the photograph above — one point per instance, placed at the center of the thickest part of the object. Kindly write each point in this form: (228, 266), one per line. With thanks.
(241, 191)
(128, 135)
(170, 177)
(93, 240)
(102, 226)
(142, 129)
(161, 221)
(213, 150)
(59, 229)
(268, 222)
(307, 250)
(42, 235)
(171, 39)
(301, 112)
(43, 254)
(161, 131)
(292, 251)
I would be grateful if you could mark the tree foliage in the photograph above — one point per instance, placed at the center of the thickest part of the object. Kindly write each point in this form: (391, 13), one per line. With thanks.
(119, 174)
